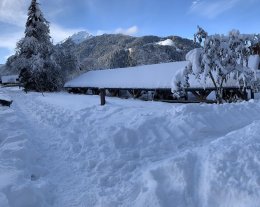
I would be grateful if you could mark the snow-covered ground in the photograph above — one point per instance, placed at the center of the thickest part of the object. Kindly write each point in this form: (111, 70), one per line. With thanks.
(65, 150)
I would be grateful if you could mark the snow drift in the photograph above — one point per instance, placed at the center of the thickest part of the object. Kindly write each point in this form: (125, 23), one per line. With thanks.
(132, 153)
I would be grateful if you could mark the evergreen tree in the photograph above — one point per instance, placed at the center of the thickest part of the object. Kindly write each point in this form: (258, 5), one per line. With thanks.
(120, 59)
(34, 55)
(66, 57)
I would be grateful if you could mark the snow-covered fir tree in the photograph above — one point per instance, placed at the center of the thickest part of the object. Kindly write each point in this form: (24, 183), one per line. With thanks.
(34, 54)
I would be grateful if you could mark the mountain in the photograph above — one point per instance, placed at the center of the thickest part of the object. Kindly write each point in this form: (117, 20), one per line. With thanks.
(83, 52)
(119, 51)
(2, 68)
(80, 37)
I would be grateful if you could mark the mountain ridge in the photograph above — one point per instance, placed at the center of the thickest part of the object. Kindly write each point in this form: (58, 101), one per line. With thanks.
(83, 52)
(119, 51)
(79, 37)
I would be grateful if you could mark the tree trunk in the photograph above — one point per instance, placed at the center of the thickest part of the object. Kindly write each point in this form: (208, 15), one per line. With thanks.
(219, 90)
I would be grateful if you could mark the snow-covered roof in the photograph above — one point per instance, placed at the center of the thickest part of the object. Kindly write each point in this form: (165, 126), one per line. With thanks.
(9, 78)
(146, 76)
(164, 75)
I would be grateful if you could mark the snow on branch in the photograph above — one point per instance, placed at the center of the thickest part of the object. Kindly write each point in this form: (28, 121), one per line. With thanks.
(222, 60)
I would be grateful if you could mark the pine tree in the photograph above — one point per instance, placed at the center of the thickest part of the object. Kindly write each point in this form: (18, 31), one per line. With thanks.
(34, 55)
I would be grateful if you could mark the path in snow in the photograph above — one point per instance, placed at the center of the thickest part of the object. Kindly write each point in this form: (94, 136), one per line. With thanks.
(133, 153)
(20, 163)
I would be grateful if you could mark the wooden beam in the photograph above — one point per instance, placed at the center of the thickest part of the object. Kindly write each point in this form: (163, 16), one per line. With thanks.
(135, 93)
(252, 94)
(245, 95)
(188, 101)
(186, 96)
(5, 102)
(102, 97)
(114, 92)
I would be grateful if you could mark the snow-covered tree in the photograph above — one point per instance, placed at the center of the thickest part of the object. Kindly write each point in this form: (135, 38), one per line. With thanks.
(222, 60)
(200, 35)
(120, 59)
(67, 58)
(34, 54)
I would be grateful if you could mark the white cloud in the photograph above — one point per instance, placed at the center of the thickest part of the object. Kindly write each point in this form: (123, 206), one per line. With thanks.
(13, 11)
(128, 31)
(212, 9)
(59, 33)
(8, 41)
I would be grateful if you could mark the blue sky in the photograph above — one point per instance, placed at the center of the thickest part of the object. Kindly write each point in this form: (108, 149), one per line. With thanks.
(132, 17)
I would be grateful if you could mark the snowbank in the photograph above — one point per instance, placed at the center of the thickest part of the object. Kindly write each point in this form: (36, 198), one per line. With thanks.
(21, 177)
(5, 97)
(133, 153)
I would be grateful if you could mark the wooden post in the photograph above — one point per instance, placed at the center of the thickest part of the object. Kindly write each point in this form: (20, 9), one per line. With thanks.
(245, 95)
(103, 96)
(186, 97)
(252, 94)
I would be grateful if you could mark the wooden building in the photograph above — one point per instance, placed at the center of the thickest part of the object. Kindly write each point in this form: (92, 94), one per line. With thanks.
(149, 82)
(10, 80)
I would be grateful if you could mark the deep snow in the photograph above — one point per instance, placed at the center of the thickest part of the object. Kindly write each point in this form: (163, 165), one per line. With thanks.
(65, 150)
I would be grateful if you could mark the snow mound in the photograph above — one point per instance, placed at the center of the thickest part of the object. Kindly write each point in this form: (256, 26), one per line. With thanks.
(133, 153)
(5, 97)
(127, 153)
(253, 62)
